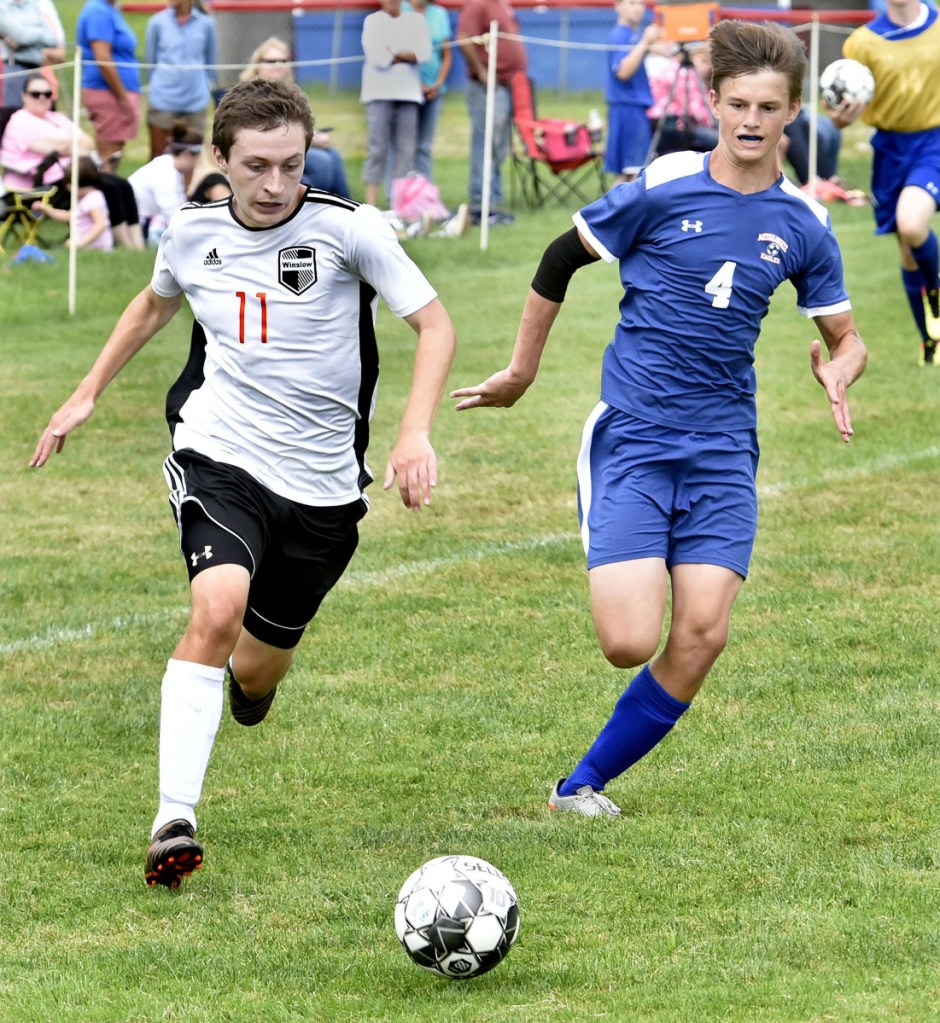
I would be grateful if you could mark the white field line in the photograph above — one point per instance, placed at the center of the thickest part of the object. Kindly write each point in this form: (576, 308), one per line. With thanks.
(54, 636)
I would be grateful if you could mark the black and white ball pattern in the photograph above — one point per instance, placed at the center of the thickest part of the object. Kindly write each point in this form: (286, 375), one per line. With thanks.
(846, 79)
(457, 916)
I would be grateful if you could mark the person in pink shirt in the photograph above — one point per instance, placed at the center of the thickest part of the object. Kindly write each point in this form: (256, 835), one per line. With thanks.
(35, 131)
(680, 87)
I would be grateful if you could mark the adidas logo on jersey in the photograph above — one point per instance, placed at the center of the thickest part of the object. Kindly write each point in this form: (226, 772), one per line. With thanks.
(212, 259)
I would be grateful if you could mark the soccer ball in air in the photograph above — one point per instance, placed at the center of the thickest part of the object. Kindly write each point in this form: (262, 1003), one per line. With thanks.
(457, 916)
(846, 79)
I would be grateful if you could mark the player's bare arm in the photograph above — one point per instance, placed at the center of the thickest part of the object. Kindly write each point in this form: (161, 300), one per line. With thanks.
(565, 255)
(144, 316)
(847, 358)
(413, 460)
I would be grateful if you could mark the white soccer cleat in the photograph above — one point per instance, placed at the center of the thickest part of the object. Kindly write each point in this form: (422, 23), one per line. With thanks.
(586, 801)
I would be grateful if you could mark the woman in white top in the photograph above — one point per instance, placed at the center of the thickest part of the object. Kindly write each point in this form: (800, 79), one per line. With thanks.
(394, 44)
(161, 187)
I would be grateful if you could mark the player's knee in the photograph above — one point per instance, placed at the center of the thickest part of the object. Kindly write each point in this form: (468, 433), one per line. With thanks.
(217, 621)
(700, 643)
(627, 651)
(911, 229)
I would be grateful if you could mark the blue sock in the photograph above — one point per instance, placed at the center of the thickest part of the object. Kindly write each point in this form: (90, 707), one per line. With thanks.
(644, 715)
(913, 283)
(928, 261)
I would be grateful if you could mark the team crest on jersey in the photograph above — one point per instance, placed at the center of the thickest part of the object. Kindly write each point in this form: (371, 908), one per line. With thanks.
(776, 246)
(297, 268)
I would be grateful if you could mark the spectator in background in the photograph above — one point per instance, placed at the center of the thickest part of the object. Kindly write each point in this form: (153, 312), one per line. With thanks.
(679, 86)
(394, 44)
(434, 74)
(162, 186)
(37, 135)
(110, 78)
(34, 132)
(323, 165)
(474, 22)
(794, 147)
(208, 183)
(25, 34)
(92, 227)
(180, 46)
(628, 95)
(52, 55)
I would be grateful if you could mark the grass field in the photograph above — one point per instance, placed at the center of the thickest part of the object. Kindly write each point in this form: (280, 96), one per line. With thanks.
(777, 859)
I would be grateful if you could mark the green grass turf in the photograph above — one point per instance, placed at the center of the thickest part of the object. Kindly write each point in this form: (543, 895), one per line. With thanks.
(777, 858)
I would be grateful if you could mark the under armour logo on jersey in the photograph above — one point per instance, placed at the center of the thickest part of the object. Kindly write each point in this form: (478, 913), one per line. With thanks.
(212, 258)
(297, 268)
(196, 555)
(692, 225)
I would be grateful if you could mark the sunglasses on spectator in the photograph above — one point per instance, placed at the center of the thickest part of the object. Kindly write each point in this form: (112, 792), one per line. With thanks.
(273, 60)
(39, 95)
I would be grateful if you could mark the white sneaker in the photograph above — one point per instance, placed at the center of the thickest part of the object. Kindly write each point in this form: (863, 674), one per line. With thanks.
(455, 225)
(585, 801)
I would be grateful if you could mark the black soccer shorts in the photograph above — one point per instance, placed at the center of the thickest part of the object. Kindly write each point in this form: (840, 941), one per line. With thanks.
(294, 553)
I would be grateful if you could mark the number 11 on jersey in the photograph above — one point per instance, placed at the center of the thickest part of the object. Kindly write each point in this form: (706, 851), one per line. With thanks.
(242, 304)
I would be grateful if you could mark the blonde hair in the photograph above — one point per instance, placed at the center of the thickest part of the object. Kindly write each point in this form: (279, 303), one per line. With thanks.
(254, 61)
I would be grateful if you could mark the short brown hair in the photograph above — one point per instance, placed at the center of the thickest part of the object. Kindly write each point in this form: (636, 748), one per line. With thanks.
(261, 104)
(743, 47)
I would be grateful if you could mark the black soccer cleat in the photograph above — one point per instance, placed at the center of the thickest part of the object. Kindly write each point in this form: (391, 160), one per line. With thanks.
(928, 354)
(245, 710)
(174, 854)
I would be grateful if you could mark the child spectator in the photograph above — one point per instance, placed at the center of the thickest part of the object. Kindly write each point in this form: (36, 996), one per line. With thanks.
(92, 227)
(628, 91)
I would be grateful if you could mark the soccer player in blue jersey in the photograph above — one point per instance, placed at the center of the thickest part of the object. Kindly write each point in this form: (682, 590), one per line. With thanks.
(902, 49)
(269, 423)
(666, 473)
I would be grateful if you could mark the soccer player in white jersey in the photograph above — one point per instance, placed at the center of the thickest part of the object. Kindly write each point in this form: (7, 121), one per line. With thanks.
(666, 473)
(269, 422)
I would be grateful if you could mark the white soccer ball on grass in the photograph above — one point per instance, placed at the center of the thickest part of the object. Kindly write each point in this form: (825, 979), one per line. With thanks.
(457, 916)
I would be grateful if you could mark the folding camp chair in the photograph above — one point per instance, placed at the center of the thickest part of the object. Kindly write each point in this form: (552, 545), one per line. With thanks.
(552, 159)
(17, 219)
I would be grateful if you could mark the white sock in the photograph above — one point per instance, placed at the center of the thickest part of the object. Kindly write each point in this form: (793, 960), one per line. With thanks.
(190, 712)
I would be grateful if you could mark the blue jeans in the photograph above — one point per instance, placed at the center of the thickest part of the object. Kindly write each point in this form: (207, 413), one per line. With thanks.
(502, 127)
(428, 117)
(324, 168)
(391, 136)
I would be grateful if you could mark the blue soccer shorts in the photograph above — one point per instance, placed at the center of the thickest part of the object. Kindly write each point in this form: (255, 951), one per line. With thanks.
(294, 553)
(902, 159)
(648, 491)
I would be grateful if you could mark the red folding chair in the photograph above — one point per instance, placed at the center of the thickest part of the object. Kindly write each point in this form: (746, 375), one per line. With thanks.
(552, 159)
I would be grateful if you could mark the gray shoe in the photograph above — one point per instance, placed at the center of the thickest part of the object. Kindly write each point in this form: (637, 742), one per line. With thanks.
(585, 801)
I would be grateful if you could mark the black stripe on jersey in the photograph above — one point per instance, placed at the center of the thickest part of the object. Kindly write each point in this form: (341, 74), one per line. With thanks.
(318, 197)
(191, 379)
(368, 380)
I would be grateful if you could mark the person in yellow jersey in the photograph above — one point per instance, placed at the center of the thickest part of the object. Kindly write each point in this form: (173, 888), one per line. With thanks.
(902, 49)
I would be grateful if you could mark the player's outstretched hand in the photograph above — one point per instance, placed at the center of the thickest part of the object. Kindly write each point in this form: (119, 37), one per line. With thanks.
(501, 390)
(414, 463)
(835, 384)
(73, 413)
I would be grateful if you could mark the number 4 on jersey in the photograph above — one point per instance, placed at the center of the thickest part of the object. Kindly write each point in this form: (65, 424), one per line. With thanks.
(721, 284)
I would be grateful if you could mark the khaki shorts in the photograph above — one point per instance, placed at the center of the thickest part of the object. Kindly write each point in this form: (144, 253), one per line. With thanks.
(166, 119)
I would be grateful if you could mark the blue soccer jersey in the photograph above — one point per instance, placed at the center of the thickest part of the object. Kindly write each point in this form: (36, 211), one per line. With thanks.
(699, 263)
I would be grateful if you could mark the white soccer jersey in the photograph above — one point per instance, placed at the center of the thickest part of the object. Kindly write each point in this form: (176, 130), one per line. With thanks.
(285, 383)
